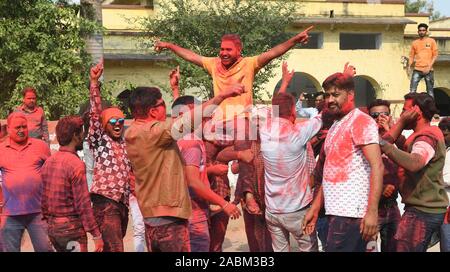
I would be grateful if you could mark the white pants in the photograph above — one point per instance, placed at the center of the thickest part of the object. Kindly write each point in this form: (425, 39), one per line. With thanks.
(138, 225)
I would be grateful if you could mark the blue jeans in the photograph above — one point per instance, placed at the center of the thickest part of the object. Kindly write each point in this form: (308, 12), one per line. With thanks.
(12, 231)
(415, 230)
(445, 238)
(322, 231)
(344, 235)
(199, 236)
(388, 220)
(429, 81)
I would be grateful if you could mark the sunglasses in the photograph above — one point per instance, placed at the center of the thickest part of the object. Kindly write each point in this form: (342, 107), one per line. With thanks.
(114, 121)
(375, 115)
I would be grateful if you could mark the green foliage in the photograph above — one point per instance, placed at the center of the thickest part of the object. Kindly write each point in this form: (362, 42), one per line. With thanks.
(415, 6)
(42, 45)
(418, 6)
(199, 27)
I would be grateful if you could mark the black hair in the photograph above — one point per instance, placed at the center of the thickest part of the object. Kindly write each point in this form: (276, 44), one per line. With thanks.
(142, 99)
(339, 80)
(67, 127)
(285, 102)
(425, 102)
(444, 124)
(379, 102)
(422, 25)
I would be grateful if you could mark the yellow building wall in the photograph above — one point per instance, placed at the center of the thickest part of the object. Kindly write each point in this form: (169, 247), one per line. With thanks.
(321, 7)
(119, 19)
(411, 29)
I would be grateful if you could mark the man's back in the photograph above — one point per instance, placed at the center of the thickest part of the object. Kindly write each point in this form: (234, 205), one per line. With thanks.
(160, 184)
(284, 150)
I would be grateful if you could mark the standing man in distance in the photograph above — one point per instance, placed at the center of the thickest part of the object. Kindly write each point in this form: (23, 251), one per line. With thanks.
(423, 54)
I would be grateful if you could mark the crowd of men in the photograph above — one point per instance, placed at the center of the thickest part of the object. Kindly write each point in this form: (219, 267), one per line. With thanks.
(332, 177)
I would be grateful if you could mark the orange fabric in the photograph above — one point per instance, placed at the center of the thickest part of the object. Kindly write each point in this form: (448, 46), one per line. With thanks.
(243, 72)
(110, 113)
(422, 52)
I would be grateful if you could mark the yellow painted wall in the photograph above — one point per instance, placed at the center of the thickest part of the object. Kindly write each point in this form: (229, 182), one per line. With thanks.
(117, 19)
(412, 28)
(315, 8)
(445, 23)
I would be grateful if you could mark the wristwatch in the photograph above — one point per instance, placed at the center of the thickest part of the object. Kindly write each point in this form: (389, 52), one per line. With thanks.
(383, 142)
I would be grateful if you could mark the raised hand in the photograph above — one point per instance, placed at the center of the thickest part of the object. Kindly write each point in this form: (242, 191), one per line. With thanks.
(349, 69)
(286, 75)
(303, 37)
(96, 71)
(174, 76)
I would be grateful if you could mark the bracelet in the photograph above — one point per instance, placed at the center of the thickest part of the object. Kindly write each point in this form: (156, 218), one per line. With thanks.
(224, 206)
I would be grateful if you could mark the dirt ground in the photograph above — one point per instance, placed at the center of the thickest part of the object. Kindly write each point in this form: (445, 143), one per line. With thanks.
(235, 239)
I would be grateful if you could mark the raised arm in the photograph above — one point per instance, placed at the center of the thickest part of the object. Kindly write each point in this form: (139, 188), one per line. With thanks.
(282, 48)
(349, 69)
(95, 100)
(207, 108)
(183, 53)
(405, 118)
(286, 77)
(174, 82)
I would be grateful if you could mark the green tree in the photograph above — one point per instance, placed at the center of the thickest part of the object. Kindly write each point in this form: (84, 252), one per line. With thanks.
(418, 6)
(43, 45)
(415, 6)
(199, 25)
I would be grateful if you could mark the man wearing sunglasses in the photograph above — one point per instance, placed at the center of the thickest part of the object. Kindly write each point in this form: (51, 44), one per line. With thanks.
(112, 171)
(388, 212)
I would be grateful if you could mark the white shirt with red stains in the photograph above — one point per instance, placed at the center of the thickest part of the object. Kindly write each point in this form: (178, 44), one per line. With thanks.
(346, 173)
(286, 167)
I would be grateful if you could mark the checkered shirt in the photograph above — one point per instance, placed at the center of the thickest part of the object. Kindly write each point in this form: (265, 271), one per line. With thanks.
(112, 169)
